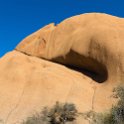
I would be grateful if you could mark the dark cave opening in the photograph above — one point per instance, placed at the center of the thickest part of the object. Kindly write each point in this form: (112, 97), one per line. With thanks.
(100, 78)
(86, 65)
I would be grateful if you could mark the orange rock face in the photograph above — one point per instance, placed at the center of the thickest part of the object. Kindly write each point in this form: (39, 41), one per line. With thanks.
(78, 61)
(90, 41)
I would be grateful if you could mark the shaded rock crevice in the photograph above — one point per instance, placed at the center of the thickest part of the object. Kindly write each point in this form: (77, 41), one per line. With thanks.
(86, 65)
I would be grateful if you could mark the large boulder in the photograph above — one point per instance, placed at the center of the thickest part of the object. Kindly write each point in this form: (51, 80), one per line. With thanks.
(90, 41)
(78, 61)
(27, 84)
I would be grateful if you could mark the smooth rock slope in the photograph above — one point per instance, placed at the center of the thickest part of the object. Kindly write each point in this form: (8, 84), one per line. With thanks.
(90, 41)
(78, 61)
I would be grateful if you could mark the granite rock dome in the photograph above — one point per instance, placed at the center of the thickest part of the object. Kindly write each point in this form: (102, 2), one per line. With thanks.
(79, 61)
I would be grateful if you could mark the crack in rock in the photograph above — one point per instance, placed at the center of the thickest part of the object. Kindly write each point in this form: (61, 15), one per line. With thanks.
(16, 106)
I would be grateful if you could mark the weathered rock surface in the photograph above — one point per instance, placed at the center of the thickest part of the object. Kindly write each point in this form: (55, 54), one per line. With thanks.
(90, 41)
(90, 44)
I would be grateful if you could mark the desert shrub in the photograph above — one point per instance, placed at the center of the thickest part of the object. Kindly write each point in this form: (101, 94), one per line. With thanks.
(35, 119)
(118, 110)
(103, 118)
(58, 114)
(116, 114)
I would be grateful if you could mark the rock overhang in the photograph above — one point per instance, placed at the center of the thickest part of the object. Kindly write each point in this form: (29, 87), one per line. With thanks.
(94, 39)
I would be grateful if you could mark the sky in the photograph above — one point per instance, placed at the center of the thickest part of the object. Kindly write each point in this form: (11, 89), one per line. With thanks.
(20, 18)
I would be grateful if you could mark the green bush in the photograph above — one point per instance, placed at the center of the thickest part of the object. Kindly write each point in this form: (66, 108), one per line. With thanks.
(63, 113)
(116, 114)
(58, 114)
(118, 110)
(35, 119)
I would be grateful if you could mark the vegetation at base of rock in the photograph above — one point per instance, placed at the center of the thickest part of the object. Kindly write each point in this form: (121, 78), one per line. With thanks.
(116, 114)
(58, 114)
(63, 113)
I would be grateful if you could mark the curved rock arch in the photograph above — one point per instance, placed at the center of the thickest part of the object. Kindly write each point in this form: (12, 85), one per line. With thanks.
(97, 39)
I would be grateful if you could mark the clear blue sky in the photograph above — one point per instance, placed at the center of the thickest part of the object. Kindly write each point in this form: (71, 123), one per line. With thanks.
(19, 18)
